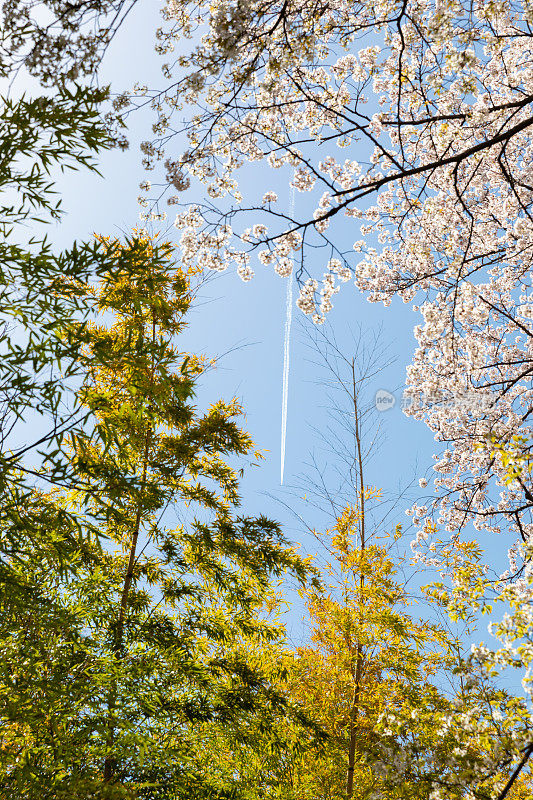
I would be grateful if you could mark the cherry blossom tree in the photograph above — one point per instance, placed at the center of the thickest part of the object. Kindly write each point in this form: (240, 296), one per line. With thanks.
(429, 199)
(57, 40)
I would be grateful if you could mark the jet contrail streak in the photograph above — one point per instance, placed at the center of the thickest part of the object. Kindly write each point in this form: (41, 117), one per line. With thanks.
(286, 358)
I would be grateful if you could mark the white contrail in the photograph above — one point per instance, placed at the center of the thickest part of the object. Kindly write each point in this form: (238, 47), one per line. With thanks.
(286, 357)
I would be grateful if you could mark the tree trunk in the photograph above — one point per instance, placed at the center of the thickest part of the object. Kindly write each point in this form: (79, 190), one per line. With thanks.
(353, 722)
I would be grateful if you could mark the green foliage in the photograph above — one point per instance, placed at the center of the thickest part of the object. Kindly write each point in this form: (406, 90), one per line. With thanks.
(36, 299)
(141, 651)
(40, 134)
(39, 361)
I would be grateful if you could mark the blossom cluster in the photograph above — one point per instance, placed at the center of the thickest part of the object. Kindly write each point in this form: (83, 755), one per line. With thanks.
(431, 112)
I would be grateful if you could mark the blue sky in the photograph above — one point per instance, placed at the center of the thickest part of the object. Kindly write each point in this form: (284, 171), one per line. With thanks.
(233, 314)
(246, 321)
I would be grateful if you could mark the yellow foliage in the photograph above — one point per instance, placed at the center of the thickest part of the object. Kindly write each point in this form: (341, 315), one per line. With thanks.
(366, 653)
